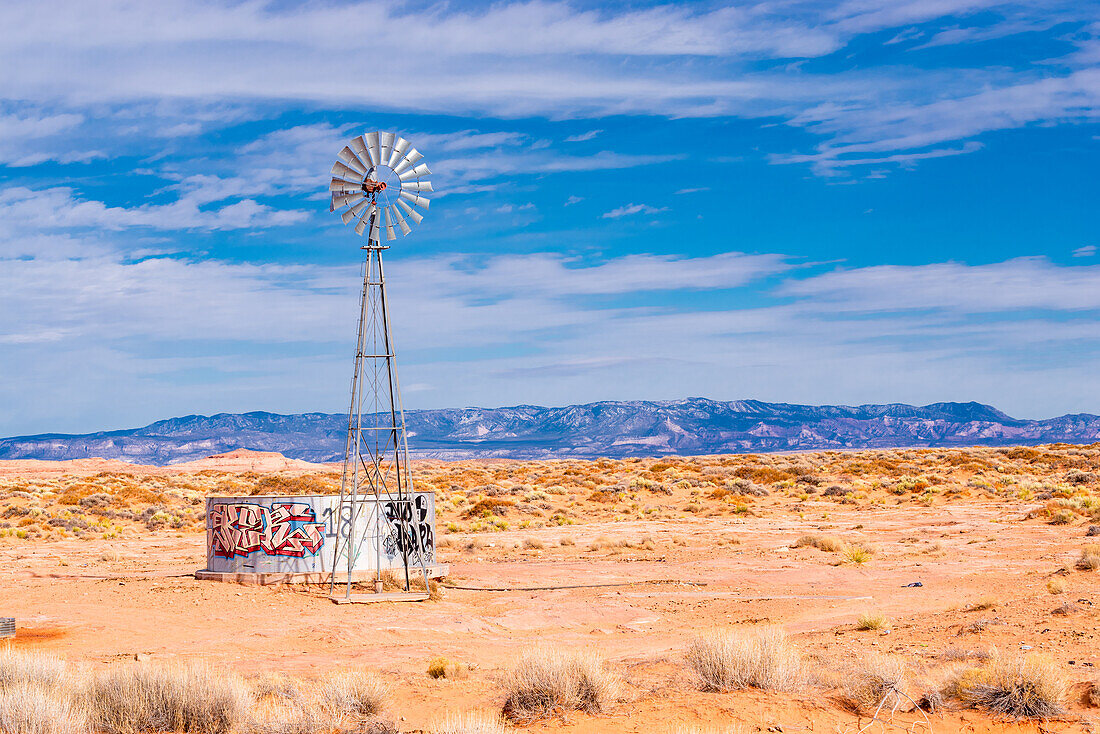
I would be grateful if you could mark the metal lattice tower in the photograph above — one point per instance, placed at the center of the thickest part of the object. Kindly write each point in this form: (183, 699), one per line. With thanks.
(376, 505)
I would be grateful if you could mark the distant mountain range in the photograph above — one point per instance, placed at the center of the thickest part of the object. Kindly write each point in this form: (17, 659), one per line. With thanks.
(613, 429)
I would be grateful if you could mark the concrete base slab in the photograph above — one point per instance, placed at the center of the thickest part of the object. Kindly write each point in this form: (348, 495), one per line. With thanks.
(384, 596)
(436, 571)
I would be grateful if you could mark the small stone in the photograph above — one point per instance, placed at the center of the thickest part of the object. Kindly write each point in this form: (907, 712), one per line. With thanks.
(1093, 531)
(141, 657)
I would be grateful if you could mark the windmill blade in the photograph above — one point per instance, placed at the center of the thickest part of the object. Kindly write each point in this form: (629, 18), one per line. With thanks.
(419, 186)
(359, 147)
(372, 146)
(399, 149)
(365, 220)
(390, 236)
(345, 186)
(387, 147)
(339, 169)
(401, 223)
(411, 159)
(411, 213)
(421, 170)
(373, 236)
(347, 155)
(420, 201)
(352, 213)
(339, 201)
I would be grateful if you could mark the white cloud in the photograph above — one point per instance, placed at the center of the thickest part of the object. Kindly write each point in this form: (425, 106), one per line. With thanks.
(32, 137)
(548, 59)
(59, 208)
(583, 136)
(1085, 251)
(227, 336)
(632, 209)
(1019, 284)
(573, 199)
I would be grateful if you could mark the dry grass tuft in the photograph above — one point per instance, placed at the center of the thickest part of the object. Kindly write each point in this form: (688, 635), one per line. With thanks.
(986, 602)
(533, 544)
(857, 554)
(471, 722)
(880, 683)
(25, 709)
(352, 695)
(32, 669)
(826, 543)
(441, 667)
(1092, 695)
(1055, 585)
(144, 698)
(1026, 688)
(872, 621)
(1090, 558)
(547, 683)
(724, 660)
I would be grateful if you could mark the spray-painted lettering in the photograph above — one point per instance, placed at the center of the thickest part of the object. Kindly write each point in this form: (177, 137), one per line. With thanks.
(413, 533)
(283, 529)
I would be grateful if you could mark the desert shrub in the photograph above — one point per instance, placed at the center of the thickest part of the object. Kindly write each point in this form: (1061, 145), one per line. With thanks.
(857, 554)
(725, 660)
(1062, 516)
(144, 698)
(607, 495)
(1026, 688)
(880, 681)
(1090, 558)
(1092, 695)
(351, 694)
(763, 474)
(872, 621)
(441, 667)
(1056, 585)
(986, 602)
(25, 709)
(547, 682)
(489, 506)
(826, 543)
(471, 722)
(533, 544)
(32, 669)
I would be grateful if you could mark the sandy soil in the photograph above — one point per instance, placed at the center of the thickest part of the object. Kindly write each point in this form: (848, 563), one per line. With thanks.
(103, 600)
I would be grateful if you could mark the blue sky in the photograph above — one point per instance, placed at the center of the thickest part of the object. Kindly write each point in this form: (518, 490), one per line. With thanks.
(821, 202)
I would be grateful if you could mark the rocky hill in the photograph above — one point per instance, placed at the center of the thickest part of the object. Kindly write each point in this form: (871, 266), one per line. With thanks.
(613, 429)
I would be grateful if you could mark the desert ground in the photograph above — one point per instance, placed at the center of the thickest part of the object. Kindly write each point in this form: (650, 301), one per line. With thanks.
(937, 563)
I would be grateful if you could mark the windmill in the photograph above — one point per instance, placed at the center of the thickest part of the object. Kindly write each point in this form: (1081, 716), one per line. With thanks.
(376, 184)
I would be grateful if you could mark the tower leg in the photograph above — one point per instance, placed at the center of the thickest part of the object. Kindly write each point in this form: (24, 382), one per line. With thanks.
(376, 500)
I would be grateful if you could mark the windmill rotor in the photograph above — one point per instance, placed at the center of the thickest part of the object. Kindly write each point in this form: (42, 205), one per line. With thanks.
(375, 179)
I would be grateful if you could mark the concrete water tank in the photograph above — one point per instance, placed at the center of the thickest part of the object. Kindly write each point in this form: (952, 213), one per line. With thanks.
(281, 539)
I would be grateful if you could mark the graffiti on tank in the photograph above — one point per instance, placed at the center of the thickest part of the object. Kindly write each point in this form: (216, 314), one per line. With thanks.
(283, 529)
(412, 533)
